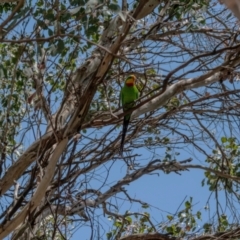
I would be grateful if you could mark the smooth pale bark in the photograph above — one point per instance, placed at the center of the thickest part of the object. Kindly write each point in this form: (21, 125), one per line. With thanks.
(234, 6)
(38, 195)
(16, 170)
(174, 89)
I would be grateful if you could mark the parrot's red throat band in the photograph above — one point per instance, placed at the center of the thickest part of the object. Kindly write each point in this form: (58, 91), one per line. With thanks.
(130, 84)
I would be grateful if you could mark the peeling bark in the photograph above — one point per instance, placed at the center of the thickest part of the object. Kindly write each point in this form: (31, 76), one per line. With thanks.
(38, 195)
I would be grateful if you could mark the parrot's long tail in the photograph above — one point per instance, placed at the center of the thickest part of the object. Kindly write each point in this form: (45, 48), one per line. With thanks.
(126, 121)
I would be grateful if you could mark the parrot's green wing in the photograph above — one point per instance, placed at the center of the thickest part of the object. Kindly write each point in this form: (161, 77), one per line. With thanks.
(121, 97)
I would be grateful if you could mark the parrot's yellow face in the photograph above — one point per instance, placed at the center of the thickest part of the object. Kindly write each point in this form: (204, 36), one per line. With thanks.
(130, 81)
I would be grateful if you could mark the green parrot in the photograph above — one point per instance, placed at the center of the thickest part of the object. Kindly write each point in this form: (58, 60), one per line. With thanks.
(128, 95)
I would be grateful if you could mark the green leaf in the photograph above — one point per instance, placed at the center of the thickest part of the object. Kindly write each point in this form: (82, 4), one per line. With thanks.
(224, 139)
(109, 235)
(170, 217)
(207, 227)
(118, 224)
(170, 230)
(229, 15)
(145, 206)
(60, 45)
(50, 32)
(146, 214)
(41, 24)
(129, 219)
(114, 7)
(188, 204)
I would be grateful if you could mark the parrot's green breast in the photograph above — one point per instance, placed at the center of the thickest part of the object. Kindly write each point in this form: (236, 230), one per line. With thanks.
(129, 94)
